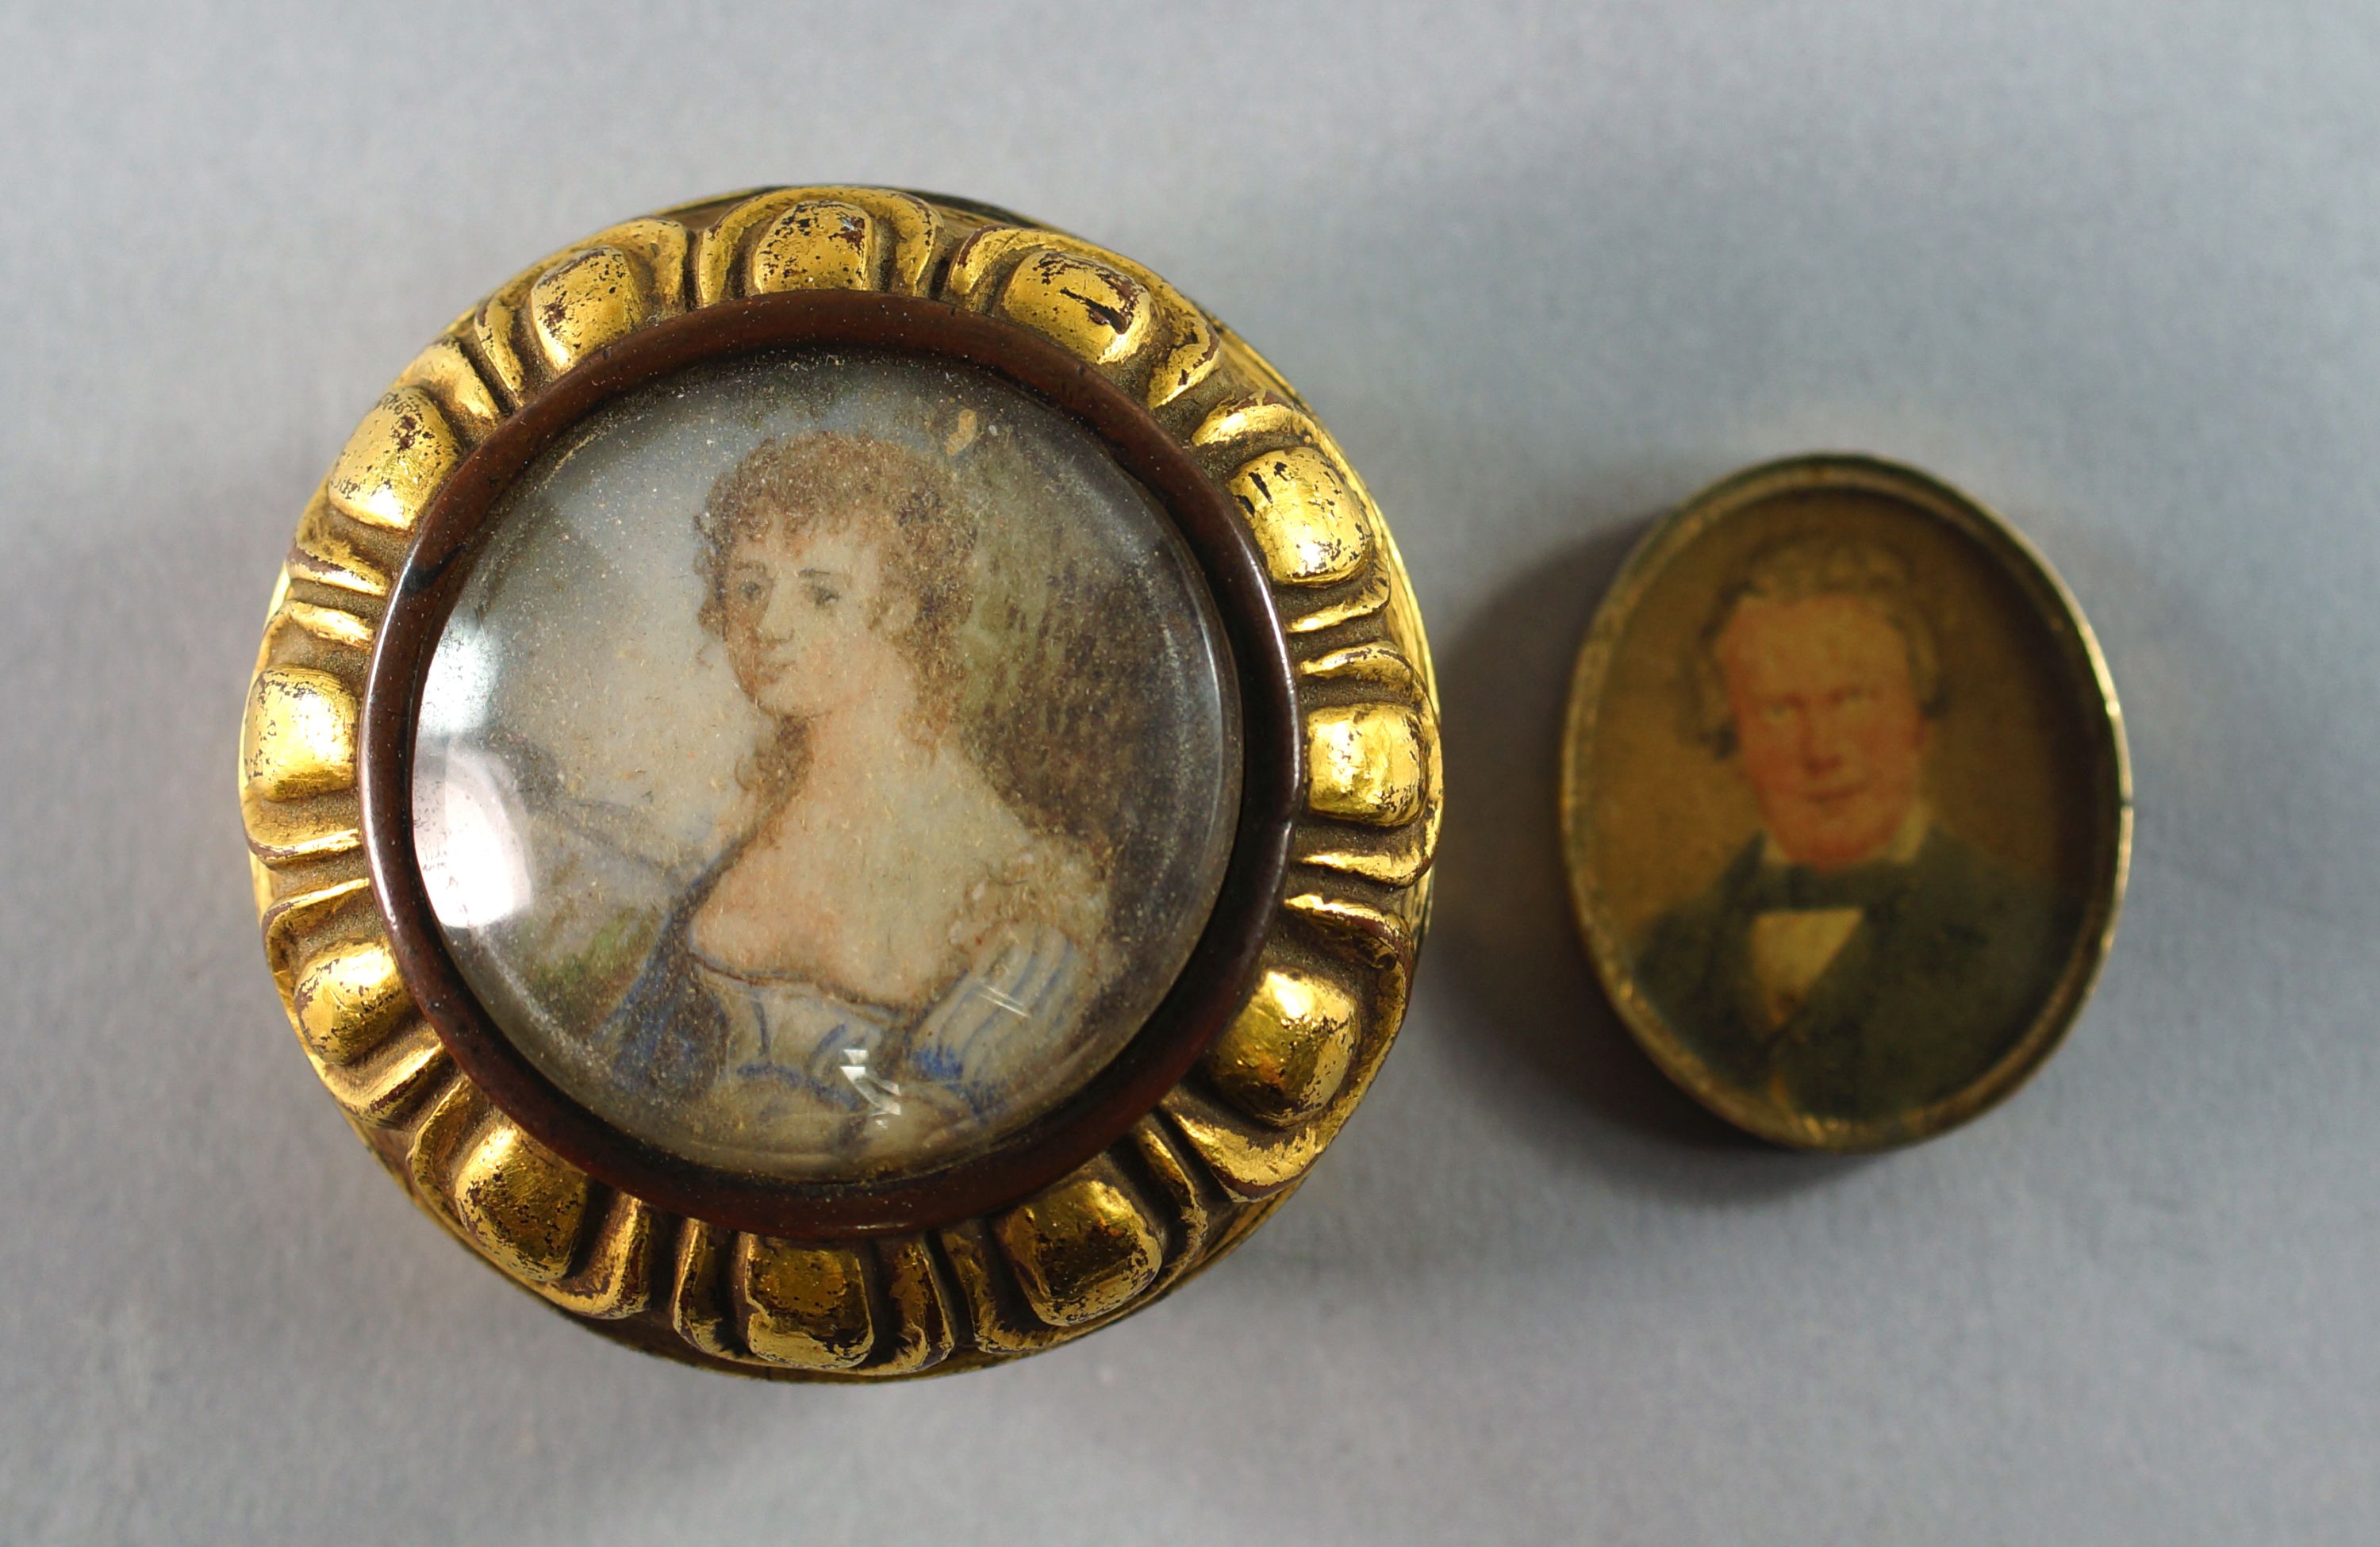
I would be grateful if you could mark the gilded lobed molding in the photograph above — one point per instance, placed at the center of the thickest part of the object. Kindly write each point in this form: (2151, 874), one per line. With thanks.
(1190, 1178)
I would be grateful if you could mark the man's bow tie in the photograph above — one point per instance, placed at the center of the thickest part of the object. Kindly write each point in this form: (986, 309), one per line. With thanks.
(1799, 887)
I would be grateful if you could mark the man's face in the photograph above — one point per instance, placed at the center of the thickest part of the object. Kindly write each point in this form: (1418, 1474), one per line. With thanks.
(1827, 723)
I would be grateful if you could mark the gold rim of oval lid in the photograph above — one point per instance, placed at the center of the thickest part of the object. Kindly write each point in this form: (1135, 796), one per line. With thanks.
(1846, 803)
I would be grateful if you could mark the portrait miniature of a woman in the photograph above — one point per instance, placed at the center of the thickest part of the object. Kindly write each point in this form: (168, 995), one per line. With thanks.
(887, 938)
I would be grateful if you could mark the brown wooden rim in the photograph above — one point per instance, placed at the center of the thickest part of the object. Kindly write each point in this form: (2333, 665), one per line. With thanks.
(1203, 998)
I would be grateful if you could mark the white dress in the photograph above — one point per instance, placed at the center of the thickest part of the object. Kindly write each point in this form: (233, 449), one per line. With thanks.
(866, 1077)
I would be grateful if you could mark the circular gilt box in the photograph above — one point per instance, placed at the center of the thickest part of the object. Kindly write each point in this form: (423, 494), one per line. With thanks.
(842, 785)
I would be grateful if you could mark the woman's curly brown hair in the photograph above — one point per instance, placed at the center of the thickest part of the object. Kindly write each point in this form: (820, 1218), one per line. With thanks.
(922, 529)
(924, 532)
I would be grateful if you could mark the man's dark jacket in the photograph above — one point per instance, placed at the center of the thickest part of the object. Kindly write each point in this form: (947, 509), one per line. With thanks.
(1954, 957)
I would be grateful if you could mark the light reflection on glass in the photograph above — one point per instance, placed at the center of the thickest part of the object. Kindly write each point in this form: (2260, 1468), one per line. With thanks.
(468, 822)
(457, 692)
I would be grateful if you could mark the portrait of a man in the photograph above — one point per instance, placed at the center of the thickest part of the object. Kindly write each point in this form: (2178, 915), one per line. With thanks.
(1855, 961)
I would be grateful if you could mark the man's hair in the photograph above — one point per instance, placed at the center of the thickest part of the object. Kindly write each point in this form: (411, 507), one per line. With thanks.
(1797, 568)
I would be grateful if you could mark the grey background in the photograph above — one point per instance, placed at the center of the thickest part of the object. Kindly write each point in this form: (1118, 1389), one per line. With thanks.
(1546, 270)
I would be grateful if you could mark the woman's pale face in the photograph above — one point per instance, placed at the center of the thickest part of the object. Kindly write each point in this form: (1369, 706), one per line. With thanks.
(809, 629)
